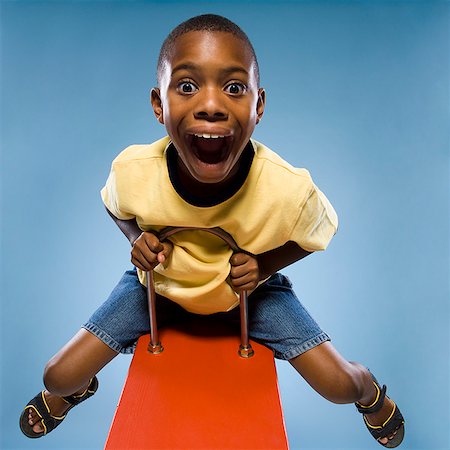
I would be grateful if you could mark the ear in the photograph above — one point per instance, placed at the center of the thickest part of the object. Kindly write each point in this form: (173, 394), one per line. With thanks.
(155, 98)
(260, 105)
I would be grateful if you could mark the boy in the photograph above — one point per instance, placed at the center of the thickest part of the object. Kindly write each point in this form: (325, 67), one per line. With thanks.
(209, 173)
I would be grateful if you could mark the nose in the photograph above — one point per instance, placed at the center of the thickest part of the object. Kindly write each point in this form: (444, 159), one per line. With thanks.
(210, 106)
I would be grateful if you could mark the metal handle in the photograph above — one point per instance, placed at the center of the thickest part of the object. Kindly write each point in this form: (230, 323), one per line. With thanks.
(155, 347)
(245, 349)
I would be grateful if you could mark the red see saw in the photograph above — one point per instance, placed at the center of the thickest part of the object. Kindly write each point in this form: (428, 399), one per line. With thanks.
(198, 391)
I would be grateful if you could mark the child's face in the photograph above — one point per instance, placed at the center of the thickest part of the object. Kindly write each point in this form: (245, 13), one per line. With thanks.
(209, 102)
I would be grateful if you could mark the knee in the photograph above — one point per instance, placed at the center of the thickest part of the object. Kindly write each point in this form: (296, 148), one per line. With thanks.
(57, 380)
(347, 386)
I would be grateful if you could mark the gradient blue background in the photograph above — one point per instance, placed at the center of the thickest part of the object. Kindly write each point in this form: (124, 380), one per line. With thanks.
(357, 93)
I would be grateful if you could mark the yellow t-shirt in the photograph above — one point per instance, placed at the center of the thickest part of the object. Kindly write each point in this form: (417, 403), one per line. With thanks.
(276, 203)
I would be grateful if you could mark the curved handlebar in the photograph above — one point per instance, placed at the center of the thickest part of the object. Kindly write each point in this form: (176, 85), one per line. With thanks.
(169, 231)
(245, 349)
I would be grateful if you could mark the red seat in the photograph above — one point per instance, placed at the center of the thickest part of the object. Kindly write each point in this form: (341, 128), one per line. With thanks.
(199, 394)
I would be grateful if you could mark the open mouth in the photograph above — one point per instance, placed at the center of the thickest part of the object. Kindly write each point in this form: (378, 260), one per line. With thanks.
(210, 148)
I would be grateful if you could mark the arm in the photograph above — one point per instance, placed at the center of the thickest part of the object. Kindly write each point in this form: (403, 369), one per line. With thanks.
(129, 228)
(274, 260)
(247, 271)
(147, 251)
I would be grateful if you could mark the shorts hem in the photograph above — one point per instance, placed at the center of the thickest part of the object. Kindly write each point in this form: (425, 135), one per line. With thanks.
(107, 339)
(308, 345)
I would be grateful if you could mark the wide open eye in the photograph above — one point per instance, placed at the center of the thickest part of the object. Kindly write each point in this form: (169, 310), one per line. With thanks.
(235, 88)
(186, 87)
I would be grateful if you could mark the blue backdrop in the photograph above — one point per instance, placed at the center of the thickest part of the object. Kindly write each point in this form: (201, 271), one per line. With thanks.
(357, 93)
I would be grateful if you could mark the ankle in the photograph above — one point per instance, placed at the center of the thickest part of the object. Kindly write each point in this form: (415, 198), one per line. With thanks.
(82, 390)
(371, 396)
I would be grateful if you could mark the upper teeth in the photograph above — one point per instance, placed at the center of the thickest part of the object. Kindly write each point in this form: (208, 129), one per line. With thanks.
(209, 136)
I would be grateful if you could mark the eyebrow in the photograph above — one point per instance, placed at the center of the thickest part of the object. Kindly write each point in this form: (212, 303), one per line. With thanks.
(195, 67)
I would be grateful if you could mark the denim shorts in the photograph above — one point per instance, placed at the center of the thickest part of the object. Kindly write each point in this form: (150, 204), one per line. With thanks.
(277, 319)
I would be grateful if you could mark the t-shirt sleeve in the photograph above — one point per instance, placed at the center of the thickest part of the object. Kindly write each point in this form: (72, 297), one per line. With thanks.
(317, 222)
(111, 195)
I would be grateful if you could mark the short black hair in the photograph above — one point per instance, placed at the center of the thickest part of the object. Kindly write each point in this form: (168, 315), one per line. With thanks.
(204, 22)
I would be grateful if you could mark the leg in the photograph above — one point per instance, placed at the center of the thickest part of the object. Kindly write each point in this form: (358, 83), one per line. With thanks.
(282, 323)
(336, 379)
(278, 320)
(113, 328)
(76, 363)
(70, 371)
(120, 320)
(340, 381)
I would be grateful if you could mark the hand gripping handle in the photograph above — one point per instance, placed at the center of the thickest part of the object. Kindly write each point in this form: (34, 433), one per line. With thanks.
(155, 347)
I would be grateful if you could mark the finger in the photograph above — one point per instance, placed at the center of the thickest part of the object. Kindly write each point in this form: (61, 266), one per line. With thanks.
(238, 259)
(242, 284)
(146, 255)
(250, 267)
(239, 271)
(152, 243)
(248, 278)
(147, 245)
(143, 266)
(144, 260)
(165, 253)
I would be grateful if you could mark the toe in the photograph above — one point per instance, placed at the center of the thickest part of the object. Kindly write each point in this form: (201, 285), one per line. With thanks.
(385, 440)
(391, 436)
(35, 421)
(32, 418)
(38, 428)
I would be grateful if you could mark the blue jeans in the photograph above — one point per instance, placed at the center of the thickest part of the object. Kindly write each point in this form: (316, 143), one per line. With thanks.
(277, 319)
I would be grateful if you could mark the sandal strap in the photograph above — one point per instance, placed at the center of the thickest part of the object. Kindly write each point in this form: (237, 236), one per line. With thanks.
(378, 402)
(393, 423)
(79, 398)
(42, 409)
